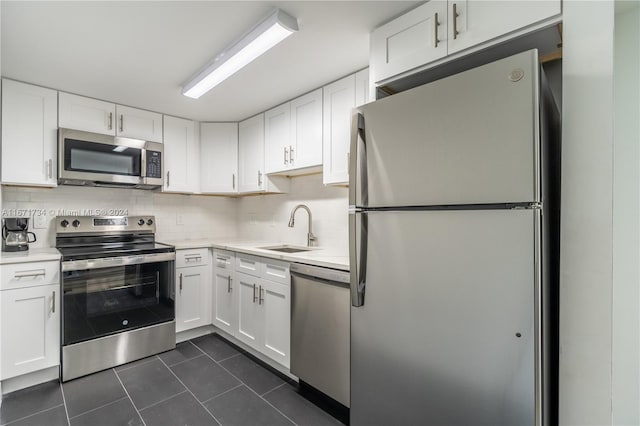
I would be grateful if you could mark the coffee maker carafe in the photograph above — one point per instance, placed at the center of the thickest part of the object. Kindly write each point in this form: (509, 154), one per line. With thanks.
(15, 236)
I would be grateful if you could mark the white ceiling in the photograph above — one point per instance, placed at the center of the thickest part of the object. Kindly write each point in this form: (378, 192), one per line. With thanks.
(140, 53)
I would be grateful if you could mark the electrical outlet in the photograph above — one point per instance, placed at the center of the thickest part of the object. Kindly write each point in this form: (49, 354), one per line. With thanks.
(179, 219)
(40, 221)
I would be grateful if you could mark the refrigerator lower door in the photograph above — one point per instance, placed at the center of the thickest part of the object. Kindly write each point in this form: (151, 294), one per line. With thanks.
(448, 332)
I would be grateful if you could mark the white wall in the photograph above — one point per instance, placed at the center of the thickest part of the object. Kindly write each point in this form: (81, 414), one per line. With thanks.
(626, 214)
(202, 216)
(586, 229)
(265, 217)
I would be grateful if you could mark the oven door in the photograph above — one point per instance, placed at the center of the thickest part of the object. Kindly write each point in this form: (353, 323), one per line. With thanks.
(107, 296)
(93, 157)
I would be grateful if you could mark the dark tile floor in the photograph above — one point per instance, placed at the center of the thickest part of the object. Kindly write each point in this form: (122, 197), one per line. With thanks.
(205, 381)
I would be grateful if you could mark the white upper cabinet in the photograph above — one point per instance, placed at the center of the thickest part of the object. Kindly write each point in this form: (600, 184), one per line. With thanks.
(475, 21)
(181, 153)
(29, 134)
(86, 114)
(439, 28)
(277, 123)
(363, 87)
(413, 39)
(139, 124)
(251, 176)
(92, 115)
(219, 158)
(293, 134)
(339, 101)
(306, 131)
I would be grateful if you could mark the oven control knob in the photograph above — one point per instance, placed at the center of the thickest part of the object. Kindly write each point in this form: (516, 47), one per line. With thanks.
(141, 222)
(64, 223)
(150, 222)
(75, 223)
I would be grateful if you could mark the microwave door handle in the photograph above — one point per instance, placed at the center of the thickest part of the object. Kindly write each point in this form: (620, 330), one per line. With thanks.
(143, 161)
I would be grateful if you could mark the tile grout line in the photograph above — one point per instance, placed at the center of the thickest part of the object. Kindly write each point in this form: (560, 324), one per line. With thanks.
(64, 402)
(32, 414)
(232, 356)
(97, 408)
(227, 391)
(189, 390)
(129, 396)
(274, 389)
(183, 361)
(163, 400)
(249, 387)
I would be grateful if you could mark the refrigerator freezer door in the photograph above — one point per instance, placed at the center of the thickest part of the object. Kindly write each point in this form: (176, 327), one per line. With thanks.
(471, 138)
(447, 334)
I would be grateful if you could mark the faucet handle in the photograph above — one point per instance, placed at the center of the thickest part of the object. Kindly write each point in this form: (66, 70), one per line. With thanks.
(312, 240)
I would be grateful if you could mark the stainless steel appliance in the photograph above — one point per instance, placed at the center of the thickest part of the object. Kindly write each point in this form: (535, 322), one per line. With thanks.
(118, 287)
(15, 235)
(320, 329)
(454, 251)
(92, 159)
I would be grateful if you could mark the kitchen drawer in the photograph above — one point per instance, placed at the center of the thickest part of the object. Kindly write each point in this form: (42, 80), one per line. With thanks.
(223, 259)
(250, 265)
(276, 271)
(192, 257)
(22, 275)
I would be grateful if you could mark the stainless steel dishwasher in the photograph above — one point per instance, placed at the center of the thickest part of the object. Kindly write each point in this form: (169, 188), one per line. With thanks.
(320, 329)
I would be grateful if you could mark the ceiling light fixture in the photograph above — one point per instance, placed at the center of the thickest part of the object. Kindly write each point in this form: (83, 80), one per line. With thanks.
(263, 36)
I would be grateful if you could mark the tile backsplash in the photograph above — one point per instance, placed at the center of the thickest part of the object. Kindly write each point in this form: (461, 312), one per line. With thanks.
(185, 217)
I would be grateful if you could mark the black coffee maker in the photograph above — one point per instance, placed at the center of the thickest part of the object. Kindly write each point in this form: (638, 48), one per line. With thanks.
(15, 236)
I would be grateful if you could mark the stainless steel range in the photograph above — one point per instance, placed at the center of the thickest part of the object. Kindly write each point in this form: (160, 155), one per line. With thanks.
(118, 292)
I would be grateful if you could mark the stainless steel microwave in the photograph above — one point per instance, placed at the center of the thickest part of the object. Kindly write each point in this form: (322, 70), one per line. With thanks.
(92, 159)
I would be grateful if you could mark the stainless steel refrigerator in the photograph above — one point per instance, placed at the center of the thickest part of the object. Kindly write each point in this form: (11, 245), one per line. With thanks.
(454, 220)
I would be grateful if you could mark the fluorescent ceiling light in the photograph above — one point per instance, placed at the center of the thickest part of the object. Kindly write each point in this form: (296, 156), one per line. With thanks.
(267, 33)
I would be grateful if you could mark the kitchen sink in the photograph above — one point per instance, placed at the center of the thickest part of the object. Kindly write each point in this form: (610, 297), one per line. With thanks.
(286, 249)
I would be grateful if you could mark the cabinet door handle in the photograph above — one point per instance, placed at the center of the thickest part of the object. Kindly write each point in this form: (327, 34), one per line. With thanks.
(286, 152)
(254, 293)
(53, 303)
(180, 283)
(229, 284)
(110, 120)
(260, 294)
(290, 155)
(121, 122)
(50, 168)
(168, 178)
(455, 21)
(436, 24)
(259, 178)
(233, 181)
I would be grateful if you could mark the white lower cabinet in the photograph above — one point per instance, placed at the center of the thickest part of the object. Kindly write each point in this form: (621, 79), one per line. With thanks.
(30, 319)
(193, 297)
(249, 310)
(225, 291)
(276, 320)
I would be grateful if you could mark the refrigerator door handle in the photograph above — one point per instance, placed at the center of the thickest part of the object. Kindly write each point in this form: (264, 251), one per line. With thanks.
(358, 223)
(358, 191)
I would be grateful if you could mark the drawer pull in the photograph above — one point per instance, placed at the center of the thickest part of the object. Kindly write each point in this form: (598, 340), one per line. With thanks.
(34, 273)
(181, 283)
(53, 303)
(261, 295)
(229, 284)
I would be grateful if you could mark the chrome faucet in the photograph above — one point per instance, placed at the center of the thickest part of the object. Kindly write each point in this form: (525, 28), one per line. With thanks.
(312, 240)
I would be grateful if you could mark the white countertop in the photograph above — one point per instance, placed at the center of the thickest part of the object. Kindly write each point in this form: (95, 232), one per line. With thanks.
(317, 256)
(31, 255)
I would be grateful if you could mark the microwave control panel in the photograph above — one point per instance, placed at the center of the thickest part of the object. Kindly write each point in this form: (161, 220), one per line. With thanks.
(154, 164)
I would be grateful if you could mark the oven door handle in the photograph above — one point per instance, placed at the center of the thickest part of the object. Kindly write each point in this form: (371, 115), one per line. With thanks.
(110, 262)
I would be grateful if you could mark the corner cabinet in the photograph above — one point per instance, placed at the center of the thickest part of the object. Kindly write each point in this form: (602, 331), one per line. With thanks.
(181, 156)
(93, 115)
(339, 100)
(29, 134)
(193, 289)
(251, 172)
(29, 317)
(219, 158)
(440, 28)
